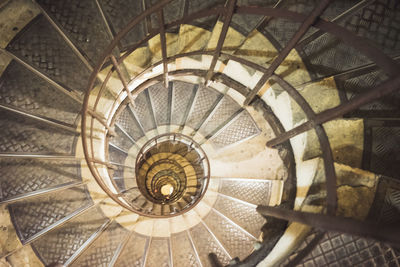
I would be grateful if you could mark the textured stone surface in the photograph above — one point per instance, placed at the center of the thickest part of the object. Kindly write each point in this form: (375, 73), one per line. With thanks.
(346, 138)
(14, 17)
(8, 236)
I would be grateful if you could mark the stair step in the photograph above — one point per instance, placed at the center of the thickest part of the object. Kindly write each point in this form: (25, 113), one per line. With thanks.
(36, 216)
(161, 102)
(182, 99)
(33, 94)
(101, 251)
(237, 242)
(183, 251)
(118, 18)
(82, 23)
(143, 111)
(21, 16)
(137, 61)
(133, 253)
(222, 113)
(21, 134)
(19, 177)
(204, 102)
(205, 243)
(158, 252)
(242, 127)
(127, 121)
(242, 213)
(254, 191)
(72, 235)
(57, 60)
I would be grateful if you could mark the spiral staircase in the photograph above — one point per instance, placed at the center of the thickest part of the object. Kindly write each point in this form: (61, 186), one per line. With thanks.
(199, 133)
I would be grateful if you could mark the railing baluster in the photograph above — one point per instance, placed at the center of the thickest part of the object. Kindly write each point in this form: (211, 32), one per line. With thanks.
(228, 17)
(308, 22)
(163, 41)
(122, 78)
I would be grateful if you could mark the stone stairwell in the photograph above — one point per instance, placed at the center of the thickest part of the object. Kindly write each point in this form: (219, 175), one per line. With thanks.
(185, 152)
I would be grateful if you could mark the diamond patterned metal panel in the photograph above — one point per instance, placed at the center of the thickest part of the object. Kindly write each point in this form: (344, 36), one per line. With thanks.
(121, 140)
(240, 128)
(41, 46)
(35, 95)
(116, 155)
(204, 102)
(143, 112)
(385, 209)
(82, 22)
(380, 23)
(205, 244)
(21, 134)
(132, 254)
(328, 55)
(102, 250)
(20, 176)
(119, 17)
(253, 191)
(244, 215)
(345, 250)
(160, 100)
(128, 122)
(386, 107)
(234, 240)
(197, 5)
(34, 215)
(182, 250)
(158, 253)
(60, 244)
(385, 151)
(223, 112)
(181, 96)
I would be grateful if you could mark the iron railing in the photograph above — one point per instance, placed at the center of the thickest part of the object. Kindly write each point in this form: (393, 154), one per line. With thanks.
(91, 136)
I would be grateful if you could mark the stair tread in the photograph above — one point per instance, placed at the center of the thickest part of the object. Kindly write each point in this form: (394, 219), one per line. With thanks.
(22, 134)
(133, 253)
(33, 216)
(21, 176)
(82, 22)
(33, 94)
(72, 235)
(101, 251)
(43, 48)
(182, 250)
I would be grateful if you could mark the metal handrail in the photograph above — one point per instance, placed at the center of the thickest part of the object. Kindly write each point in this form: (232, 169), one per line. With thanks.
(315, 120)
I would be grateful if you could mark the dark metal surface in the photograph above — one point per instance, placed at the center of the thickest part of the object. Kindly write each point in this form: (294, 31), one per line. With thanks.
(43, 48)
(389, 234)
